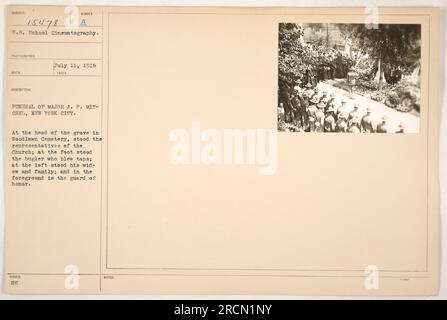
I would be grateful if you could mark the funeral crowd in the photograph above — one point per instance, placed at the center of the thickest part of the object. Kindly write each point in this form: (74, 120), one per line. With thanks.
(307, 109)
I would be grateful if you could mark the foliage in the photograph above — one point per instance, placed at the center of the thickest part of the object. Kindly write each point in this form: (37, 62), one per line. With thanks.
(371, 85)
(392, 99)
(365, 67)
(295, 56)
(408, 95)
(397, 46)
(289, 65)
(378, 96)
(370, 88)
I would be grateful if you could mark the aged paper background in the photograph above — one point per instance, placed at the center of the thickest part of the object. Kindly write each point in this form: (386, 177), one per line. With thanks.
(156, 220)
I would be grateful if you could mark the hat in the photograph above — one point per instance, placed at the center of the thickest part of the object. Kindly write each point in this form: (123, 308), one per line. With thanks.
(330, 108)
(298, 81)
(384, 118)
(369, 109)
(308, 85)
(314, 99)
(324, 92)
(344, 100)
(356, 106)
(332, 95)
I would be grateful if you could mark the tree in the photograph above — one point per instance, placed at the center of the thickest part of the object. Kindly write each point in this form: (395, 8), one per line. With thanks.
(395, 48)
(290, 50)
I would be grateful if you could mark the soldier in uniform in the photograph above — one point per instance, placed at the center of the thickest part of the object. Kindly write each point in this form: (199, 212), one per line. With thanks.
(343, 108)
(342, 122)
(311, 111)
(309, 90)
(297, 88)
(383, 127)
(354, 126)
(354, 114)
(367, 122)
(309, 76)
(304, 108)
(324, 97)
(295, 103)
(331, 100)
(317, 92)
(319, 117)
(329, 119)
(280, 110)
(297, 109)
(284, 95)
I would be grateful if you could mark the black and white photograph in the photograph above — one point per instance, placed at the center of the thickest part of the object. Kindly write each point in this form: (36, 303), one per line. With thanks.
(353, 78)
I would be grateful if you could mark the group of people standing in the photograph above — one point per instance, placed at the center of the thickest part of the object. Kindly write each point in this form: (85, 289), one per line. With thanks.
(308, 110)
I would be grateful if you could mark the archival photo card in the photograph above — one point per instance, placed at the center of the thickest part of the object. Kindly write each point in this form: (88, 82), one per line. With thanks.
(157, 150)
